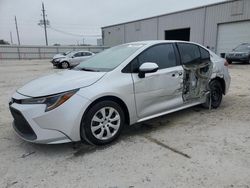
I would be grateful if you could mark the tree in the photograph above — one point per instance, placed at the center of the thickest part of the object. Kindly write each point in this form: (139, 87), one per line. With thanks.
(3, 42)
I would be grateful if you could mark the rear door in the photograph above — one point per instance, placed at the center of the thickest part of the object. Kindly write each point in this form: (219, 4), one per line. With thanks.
(162, 90)
(197, 67)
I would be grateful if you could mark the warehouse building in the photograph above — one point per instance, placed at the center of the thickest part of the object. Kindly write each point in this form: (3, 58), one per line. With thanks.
(221, 27)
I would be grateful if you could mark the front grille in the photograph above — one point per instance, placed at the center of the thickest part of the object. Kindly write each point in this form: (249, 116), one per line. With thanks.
(22, 126)
(238, 55)
(18, 101)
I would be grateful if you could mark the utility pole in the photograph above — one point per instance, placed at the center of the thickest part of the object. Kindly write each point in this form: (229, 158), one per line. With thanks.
(11, 37)
(17, 32)
(45, 24)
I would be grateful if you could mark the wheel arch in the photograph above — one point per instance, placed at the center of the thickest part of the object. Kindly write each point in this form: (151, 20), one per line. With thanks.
(63, 62)
(222, 82)
(111, 98)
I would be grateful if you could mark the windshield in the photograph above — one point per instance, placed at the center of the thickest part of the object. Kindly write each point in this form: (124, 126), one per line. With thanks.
(66, 53)
(109, 59)
(243, 48)
(70, 54)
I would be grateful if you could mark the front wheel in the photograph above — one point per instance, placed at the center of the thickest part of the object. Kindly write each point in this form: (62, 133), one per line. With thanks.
(229, 62)
(65, 65)
(103, 123)
(216, 94)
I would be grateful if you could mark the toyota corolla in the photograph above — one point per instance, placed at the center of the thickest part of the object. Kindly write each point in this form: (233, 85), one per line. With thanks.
(121, 86)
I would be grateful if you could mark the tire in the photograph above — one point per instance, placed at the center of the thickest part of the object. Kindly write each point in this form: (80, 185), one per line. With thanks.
(229, 62)
(65, 65)
(216, 95)
(102, 123)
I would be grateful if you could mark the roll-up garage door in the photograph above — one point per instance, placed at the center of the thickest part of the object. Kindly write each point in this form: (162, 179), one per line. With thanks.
(231, 35)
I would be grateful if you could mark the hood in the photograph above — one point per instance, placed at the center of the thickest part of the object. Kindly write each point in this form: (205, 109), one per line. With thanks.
(239, 52)
(58, 56)
(60, 82)
(65, 58)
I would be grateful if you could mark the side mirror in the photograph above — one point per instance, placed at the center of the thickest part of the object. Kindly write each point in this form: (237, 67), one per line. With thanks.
(147, 68)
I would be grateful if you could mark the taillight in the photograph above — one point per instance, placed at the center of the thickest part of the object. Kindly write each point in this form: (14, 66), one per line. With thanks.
(226, 64)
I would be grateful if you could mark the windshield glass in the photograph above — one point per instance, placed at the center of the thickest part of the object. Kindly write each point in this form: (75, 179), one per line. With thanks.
(66, 53)
(70, 54)
(110, 58)
(243, 48)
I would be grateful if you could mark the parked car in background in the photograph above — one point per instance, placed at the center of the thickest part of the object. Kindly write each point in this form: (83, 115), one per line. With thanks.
(239, 54)
(122, 85)
(71, 59)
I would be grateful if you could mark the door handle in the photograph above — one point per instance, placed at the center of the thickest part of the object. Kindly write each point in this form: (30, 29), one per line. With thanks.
(177, 74)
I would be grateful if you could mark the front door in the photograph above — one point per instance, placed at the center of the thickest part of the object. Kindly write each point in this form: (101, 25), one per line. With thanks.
(162, 90)
(76, 59)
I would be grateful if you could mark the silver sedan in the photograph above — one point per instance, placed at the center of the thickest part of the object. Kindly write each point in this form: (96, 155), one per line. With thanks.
(121, 86)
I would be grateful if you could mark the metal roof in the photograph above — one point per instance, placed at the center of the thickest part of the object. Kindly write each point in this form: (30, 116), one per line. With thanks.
(204, 6)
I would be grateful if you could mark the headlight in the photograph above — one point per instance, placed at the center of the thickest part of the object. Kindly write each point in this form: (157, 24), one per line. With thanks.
(57, 60)
(52, 101)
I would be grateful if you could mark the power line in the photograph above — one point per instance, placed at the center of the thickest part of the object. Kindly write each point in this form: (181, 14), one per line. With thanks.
(17, 32)
(11, 37)
(72, 34)
(44, 23)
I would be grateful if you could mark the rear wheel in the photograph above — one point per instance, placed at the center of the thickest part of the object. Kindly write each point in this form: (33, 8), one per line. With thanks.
(103, 123)
(229, 61)
(216, 94)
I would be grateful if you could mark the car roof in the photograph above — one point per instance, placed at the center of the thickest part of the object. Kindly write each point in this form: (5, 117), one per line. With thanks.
(245, 44)
(81, 51)
(152, 42)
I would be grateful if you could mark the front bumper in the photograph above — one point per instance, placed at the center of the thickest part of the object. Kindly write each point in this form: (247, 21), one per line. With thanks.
(238, 59)
(60, 125)
(55, 63)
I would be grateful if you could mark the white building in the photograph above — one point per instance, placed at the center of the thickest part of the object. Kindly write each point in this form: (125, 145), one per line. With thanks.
(221, 26)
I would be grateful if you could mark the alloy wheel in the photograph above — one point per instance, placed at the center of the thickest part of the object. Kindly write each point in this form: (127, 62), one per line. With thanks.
(65, 65)
(105, 123)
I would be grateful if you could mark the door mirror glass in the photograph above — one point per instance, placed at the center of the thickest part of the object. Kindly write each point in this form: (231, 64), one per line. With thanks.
(147, 67)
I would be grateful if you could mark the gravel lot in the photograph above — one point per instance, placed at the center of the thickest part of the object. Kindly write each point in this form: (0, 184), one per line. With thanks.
(191, 148)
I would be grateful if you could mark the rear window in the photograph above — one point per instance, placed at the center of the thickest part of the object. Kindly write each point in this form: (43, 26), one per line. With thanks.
(205, 55)
(189, 53)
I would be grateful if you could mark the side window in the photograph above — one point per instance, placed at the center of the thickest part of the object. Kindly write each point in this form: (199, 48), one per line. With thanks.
(205, 55)
(87, 54)
(190, 53)
(163, 55)
(79, 54)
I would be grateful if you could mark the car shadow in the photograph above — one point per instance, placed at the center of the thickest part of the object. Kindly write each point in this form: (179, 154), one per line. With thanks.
(79, 149)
